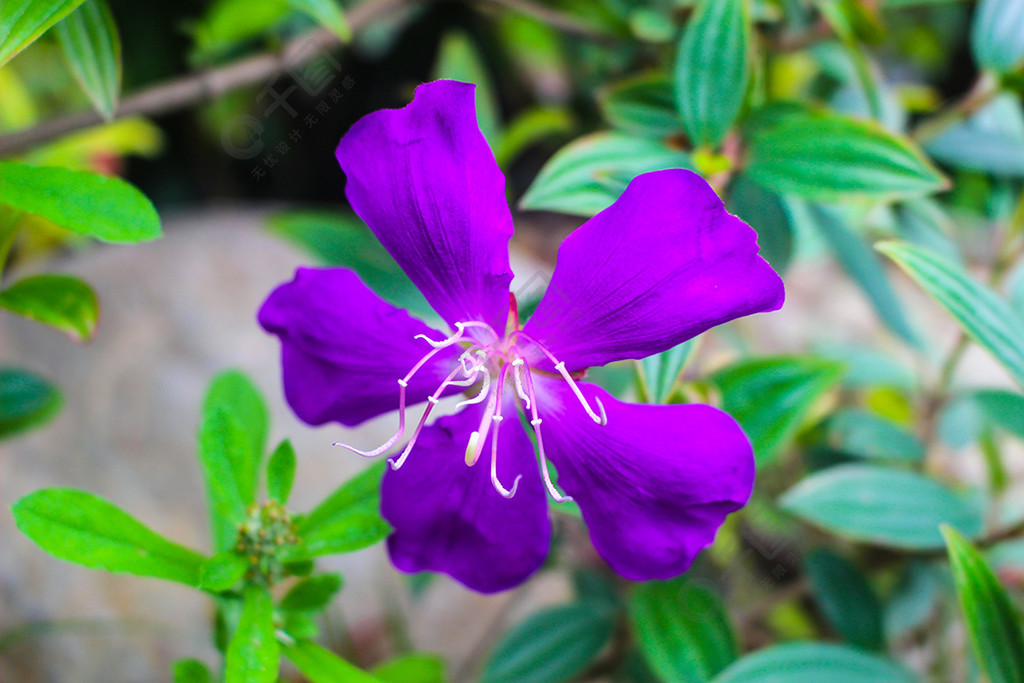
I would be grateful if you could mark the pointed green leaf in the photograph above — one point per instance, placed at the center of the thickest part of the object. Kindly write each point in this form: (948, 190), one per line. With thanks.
(861, 434)
(22, 21)
(26, 400)
(552, 645)
(768, 215)
(459, 60)
(347, 520)
(225, 23)
(827, 156)
(232, 438)
(988, 319)
(914, 600)
(813, 663)
(222, 571)
(661, 372)
(108, 209)
(590, 173)
(83, 528)
(642, 104)
(845, 599)
(312, 594)
(713, 68)
(771, 397)
(60, 301)
(682, 630)
(323, 666)
(993, 623)
(997, 34)
(253, 654)
(92, 47)
(281, 472)
(862, 265)
(883, 506)
(328, 14)
(1004, 409)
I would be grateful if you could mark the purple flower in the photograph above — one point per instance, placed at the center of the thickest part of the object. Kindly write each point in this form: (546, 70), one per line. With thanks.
(468, 494)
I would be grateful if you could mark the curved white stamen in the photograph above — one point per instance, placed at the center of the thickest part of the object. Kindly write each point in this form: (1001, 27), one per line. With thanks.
(433, 400)
(535, 422)
(479, 397)
(516, 373)
(474, 449)
(601, 419)
(496, 419)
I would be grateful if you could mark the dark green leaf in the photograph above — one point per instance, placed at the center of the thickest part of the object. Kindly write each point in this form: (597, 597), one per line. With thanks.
(883, 506)
(914, 600)
(83, 528)
(60, 301)
(982, 314)
(864, 435)
(327, 13)
(767, 214)
(993, 623)
(22, 21)
(552, 645)
(825, 156)
(191, 671)
(813, 663)
(232, 438)
(997, 35)
(312, 594)
(26, 400)
(682, 630)
(590, 173)
(335, 239)
(661, 372)
(323, 666)
(862, 265)
(281, 472)
(642, 104)
(771, 397)
(253, 655)
(108, 209)
(89, 39)
(845, 599)
(713, 68)
(414, 668)
(222, 571)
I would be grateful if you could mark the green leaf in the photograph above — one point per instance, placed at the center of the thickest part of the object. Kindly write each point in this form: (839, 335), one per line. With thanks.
(323, 666)
(335, 239)
(1004, 409)
(227, 22)
(642, 104)
(826, 156)
(862, 265)
(661, 372)
(459, 60)
(588, 175)
(767, 214)
(312, 594)
(530, 127)
(682, 630)
(990, 141)
(253, 654)
(553, 645)
(191, 671)
(328, 14)
(845, 599)
(914, 600)
(22, 21)
(346, 520)
(813, 663)
(997, 34)
(713, 68)
(92, 47)
(281, 472)
(83, 528)
(232, 438)
(26, 400)
(883, 506)
(864, 435)
(771, 397)
(60, 301)
(986, 318)
(993, 623)
(108, 209)
(414, 668)
(222, 571)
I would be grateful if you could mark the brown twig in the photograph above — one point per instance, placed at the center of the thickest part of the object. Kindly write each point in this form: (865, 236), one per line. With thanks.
(200, 87)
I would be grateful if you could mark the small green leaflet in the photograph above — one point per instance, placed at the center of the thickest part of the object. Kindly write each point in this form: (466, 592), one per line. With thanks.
(22, 21)
(60, 301)
(281, 472)
(993, 623)
(323, 666)
(813, 663)
(92, 47)
(845, 599)
(643, 104)
(328, 14)
(862, 434)
(26, 400)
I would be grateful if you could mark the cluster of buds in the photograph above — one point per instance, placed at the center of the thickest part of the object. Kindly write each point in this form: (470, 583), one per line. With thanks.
(268, 529)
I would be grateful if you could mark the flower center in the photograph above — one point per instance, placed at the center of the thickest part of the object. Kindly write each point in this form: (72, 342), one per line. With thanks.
(488, 360)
